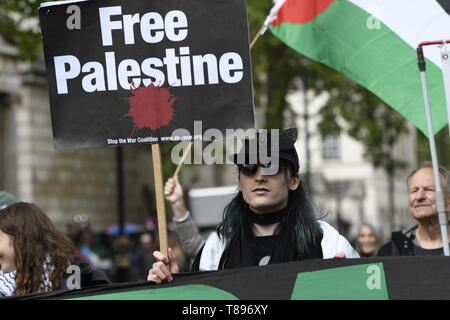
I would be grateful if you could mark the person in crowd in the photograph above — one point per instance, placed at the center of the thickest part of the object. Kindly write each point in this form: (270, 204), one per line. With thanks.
(182, 259)
(424, 238)
(144, 254)
(81, 234)
(103, 249)
(6, 278)
(367, 240)
(270, 220)
(36, 253)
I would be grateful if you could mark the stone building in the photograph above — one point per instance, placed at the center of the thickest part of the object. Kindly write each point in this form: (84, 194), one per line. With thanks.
(345, 185)
(69, 182)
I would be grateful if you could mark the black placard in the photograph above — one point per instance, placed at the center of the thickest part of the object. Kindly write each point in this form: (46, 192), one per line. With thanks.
(122, 72)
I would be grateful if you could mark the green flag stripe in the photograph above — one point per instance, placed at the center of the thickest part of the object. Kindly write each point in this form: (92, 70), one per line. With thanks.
(378, 59)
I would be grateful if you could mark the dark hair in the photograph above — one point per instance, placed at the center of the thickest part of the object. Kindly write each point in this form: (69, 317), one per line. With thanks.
(35, 240)
(300, 221)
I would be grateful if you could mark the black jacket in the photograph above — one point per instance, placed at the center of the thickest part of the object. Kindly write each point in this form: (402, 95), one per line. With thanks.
(401, 244)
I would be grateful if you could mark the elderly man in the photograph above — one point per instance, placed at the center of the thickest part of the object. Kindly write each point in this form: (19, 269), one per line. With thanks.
(270, 220)
(425, 237)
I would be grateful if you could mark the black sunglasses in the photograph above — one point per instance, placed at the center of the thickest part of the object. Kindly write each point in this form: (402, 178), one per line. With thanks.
(249, 170)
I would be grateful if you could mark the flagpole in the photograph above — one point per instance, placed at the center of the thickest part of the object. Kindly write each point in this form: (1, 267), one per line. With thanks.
(443, 220)
(260, 32)
(183, 158)
(445, 60)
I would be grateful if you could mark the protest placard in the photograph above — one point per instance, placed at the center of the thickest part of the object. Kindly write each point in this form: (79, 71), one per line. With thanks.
(125, 72)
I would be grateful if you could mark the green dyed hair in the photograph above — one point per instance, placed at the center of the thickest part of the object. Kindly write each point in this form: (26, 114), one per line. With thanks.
(300, 221)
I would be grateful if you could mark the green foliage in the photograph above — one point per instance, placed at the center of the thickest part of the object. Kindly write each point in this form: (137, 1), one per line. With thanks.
(167, 165)
(19, 26)
(441, 141)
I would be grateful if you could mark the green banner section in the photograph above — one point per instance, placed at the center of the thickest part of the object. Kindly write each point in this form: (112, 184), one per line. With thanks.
(187, 292)
(361, 282)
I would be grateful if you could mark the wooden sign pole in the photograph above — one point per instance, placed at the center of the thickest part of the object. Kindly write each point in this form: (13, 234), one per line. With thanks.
(183, 158)
(160, 205)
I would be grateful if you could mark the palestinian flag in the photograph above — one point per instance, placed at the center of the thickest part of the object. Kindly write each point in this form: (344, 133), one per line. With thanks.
(374, 43)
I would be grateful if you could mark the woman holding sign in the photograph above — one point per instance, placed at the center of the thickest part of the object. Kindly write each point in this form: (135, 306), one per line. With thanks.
(269, 221)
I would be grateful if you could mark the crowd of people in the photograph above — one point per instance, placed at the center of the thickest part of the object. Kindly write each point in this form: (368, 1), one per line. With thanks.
(270, 220)
(36, 257)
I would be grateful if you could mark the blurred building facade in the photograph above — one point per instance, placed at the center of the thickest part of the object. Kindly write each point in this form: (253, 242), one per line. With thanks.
(346, 187)
(65, 183)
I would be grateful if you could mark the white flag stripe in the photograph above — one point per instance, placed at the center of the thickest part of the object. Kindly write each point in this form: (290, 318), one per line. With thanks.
(414, 21)
(445, 59)
(273, 12)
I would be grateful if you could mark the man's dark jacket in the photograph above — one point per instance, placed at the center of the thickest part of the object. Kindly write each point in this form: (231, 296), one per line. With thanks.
(401, 244)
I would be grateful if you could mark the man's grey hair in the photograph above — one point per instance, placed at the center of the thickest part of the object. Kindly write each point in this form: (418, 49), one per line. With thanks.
(442, 171)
